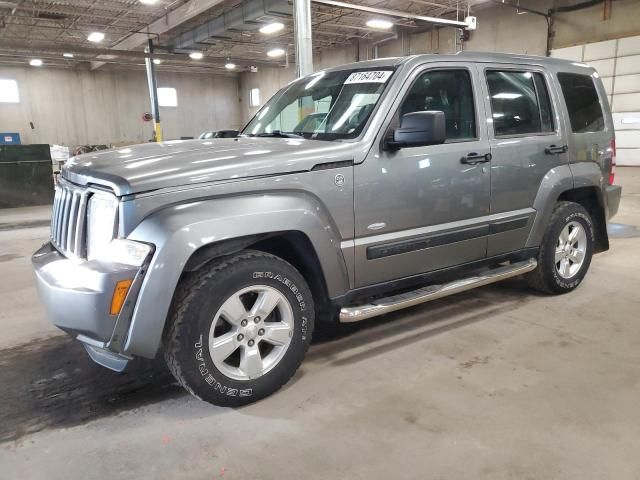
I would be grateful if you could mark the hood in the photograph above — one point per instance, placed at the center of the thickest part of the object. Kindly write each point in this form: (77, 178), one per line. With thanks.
(152, 166)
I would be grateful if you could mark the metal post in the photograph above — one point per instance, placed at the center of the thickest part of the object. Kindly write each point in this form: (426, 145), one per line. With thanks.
(153, 92)
(302, 27)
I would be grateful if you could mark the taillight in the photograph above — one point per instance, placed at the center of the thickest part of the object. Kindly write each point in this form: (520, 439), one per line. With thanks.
(612, 169)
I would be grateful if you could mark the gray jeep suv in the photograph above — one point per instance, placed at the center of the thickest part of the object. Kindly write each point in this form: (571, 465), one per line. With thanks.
(418, 177)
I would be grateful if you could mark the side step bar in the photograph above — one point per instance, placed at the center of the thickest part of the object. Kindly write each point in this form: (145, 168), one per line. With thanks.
(433, 292)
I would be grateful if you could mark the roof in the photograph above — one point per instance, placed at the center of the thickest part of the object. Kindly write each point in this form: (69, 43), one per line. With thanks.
(480, 57)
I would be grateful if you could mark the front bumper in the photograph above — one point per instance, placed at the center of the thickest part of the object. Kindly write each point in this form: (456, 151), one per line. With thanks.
(613, 193)
(77, 297)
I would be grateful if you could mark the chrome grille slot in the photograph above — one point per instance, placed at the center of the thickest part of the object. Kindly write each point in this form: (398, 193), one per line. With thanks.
(68, 220)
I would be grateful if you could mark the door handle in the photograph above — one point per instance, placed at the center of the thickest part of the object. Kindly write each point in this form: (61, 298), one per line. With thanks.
(474, 158)
(556, 150)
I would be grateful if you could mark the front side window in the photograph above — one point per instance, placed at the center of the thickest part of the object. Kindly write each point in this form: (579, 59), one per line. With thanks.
(447, 91)
(323, 106)
(583, 104)
(519, 102)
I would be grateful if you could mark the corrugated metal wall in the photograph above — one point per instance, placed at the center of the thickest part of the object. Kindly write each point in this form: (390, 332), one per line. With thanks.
(618, 63)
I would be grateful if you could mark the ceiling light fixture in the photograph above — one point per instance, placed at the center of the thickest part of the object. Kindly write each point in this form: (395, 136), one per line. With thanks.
(272, 28)
(157, 61)
(230, 66)
(149, 2)
(67, 55)
(96, 37)
(35, 62)
(196, 55)
(379, 23)
(275, 52)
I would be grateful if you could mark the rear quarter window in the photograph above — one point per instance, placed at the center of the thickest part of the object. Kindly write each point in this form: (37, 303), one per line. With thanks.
(583, 103)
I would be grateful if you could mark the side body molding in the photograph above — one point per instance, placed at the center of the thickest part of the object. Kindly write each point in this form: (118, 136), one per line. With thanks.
(179, 230)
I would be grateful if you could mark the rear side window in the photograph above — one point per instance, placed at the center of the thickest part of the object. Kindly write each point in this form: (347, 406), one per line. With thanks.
(519, 103)
(583, 104)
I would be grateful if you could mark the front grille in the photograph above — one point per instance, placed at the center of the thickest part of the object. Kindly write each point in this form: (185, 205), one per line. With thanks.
(68, 221)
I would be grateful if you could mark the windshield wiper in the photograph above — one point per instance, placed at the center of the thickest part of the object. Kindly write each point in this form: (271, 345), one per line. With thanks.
(278, 134)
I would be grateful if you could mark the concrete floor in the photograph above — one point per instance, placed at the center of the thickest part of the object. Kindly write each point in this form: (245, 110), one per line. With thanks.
(497, 383)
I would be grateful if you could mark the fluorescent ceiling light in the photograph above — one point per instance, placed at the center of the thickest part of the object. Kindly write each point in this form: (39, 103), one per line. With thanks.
(157, 61)
(379, 23)
(149, 2)
(35, 62)
(96, 37)
(196, 55)
(67, 55)
(230, 66)
(276, 52)
(272, 27)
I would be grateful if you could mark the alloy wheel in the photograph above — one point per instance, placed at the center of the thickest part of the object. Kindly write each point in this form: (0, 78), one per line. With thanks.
(570, 250)
(251, 332)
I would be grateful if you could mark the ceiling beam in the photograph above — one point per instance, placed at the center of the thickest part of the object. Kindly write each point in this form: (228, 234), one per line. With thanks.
(171, 20)
(33, 49)
(393, 13)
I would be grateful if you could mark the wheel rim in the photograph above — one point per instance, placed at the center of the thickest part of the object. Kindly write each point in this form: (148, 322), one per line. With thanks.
(570, 250)
(251, 332)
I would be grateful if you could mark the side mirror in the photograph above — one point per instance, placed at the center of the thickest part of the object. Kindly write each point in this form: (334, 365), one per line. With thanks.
(418, 129)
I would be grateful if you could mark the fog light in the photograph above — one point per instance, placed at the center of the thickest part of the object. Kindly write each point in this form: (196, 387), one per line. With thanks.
(119, 295)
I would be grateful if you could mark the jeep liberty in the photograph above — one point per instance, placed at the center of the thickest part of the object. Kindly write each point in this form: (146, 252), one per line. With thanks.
(353, 192)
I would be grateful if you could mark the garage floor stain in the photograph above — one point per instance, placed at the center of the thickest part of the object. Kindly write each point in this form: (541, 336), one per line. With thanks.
(53, 383)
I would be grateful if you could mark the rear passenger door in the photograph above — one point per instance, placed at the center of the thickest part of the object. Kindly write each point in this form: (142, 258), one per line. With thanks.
(527, 140)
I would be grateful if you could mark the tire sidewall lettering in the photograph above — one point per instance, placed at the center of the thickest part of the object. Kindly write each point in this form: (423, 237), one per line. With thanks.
(211, 380)
(216, 380)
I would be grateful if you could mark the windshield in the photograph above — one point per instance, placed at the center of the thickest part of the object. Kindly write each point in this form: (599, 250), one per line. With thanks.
(322, 106)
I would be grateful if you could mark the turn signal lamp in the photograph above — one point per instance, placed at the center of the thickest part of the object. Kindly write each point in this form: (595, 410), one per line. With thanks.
(119, 295)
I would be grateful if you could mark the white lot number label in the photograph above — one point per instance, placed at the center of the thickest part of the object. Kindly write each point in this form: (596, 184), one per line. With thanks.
(369, 77)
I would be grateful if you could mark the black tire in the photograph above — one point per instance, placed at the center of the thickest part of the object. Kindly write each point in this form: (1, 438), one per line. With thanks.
(546, 277)
(197, 299)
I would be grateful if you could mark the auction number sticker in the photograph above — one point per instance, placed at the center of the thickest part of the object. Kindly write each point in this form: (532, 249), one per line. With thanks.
(378, 76)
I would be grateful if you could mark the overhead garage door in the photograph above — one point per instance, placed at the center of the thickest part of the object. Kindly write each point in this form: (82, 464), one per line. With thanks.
(618, 63)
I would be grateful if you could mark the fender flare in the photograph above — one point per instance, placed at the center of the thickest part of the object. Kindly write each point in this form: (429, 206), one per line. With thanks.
(557, 181)
(180, 230)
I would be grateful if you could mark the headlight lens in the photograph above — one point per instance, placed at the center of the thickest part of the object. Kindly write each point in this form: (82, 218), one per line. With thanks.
(101, 223)
(126, 252)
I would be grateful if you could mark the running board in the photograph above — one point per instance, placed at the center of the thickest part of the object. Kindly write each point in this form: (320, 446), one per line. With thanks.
(433, 292)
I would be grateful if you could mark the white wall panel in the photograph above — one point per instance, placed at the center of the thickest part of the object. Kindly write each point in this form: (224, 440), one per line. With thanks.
(628, 65)
(626, 102)
(608, 84)
(629, 157)
(626, 121)
(627, 139)
(604, 67)
(629, 46)
(569, 53)
(627, 84)
(599, 50)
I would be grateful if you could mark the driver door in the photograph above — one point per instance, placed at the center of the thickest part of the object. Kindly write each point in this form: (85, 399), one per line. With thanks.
(424, 208)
